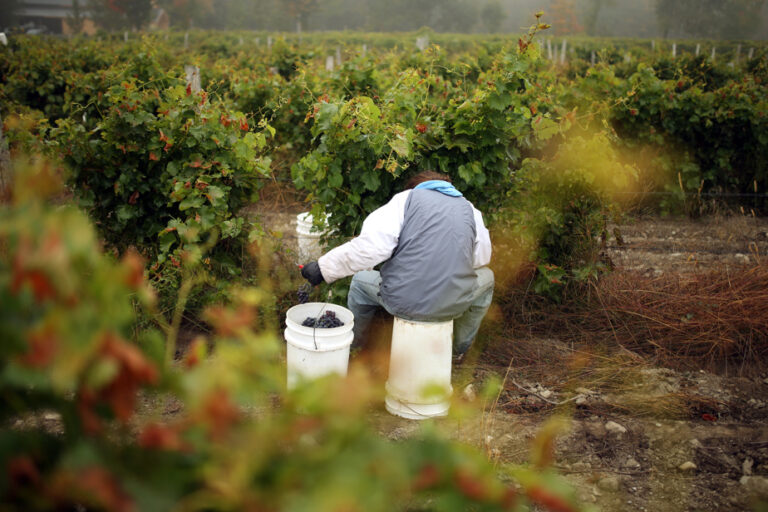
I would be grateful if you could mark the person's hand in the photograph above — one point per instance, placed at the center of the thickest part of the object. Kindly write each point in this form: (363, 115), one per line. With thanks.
(311, 272)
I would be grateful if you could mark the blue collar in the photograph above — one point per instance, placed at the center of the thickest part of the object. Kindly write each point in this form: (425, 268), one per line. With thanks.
(441, 186)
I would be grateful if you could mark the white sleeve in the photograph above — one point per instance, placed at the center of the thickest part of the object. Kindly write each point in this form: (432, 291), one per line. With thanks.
(377, 240)
(482, 242)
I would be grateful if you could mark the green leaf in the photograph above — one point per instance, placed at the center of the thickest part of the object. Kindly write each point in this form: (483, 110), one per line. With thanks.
(371, 181)
(545, 128)
(191, 202)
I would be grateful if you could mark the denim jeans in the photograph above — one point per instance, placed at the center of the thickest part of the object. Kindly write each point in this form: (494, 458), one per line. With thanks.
(364, 301)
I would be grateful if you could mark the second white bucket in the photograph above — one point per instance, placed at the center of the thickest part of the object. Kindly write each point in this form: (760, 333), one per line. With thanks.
(315, 352)
(419, 383)
(309, 247)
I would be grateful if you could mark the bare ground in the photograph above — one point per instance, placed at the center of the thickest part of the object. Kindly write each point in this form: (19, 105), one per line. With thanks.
(640, 437)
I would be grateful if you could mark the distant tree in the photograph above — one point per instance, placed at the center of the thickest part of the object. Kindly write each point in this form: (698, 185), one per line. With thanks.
(188, 13)
(399, 15)
(76, 18)
(492, 15)
(300, 10)
(592, 13)
(120, 14)
(453, 15)
(8, 10)
(563, 17)
(713, 19)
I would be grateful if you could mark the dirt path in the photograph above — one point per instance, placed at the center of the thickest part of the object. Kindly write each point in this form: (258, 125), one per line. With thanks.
(663, 440)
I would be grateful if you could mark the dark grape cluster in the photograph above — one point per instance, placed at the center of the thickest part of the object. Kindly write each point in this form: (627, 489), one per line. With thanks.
(325, 321)
(303, 293)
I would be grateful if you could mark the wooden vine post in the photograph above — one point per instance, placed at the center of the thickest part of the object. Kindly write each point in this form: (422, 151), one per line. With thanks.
(6, 176)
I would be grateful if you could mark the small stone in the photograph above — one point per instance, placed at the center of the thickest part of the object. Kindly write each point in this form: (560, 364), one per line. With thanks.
(595, 429)
(585, 391)
(609, 483)
(696, 443)
(469, 393)
(765, 380)
(615, 428)
(52, 416)
(756, 485)
(631, 463)
(747, 466)
(581, 466)
(687, 466)
(581, 400)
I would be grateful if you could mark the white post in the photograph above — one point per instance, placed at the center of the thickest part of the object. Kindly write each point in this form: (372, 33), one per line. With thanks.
(329, 63)
(653, 45)
(3, 39)
(338, 56)
(593, 57)
(627, 58)
(269, 42)
(738, 54)
(186, 40)
(751, 53)
(125, 36)
(549, 49)
(365, 50)
(6, 174)
(193, 77)
(674, 50)
(563, 50)
(698, 49)
(714, 53)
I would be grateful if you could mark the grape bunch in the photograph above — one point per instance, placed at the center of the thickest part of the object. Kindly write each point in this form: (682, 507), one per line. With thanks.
(303, 293)
(326, 321)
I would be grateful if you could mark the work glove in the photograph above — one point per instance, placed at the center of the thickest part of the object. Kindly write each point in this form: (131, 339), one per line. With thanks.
(311, 272)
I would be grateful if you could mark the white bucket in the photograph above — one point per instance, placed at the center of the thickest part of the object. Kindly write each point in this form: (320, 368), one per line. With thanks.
(419, 383)
(309, 248)
(315, 352)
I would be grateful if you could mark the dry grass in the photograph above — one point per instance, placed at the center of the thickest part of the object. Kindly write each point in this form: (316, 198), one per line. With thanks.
(699, 320)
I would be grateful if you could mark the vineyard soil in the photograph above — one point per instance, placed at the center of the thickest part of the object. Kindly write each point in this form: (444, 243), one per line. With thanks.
(667, 441)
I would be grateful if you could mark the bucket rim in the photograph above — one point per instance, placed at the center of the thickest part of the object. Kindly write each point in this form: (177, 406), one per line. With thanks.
(349, 320)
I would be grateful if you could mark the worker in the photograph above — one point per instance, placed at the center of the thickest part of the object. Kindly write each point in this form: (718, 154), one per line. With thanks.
(433, 249)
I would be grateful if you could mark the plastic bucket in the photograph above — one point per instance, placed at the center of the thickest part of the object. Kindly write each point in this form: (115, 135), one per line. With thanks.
(309, 248)
(419, 383)
(315, 352)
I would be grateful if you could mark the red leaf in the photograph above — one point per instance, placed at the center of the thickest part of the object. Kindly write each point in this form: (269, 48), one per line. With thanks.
(421, 127)
(428, 477)
(161, 437)
(219, 413)
(470, 485)
(134, 197)
(548, 500)
(43, 344)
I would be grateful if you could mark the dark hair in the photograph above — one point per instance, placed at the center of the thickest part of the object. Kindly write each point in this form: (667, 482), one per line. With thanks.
(425, 176)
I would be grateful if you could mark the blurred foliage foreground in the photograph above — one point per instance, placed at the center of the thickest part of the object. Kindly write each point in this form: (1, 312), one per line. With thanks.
(215, 431)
